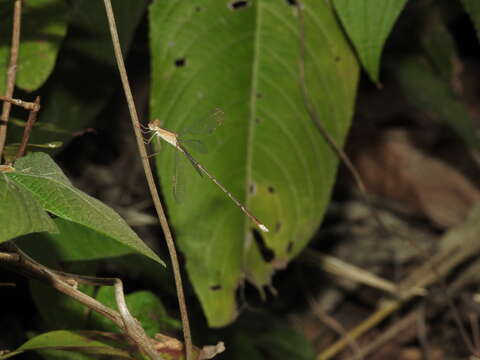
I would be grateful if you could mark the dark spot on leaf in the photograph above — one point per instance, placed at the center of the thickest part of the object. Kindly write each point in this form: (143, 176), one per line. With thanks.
(198, 9)
(290, 247)
(292, 2)
(278, 227)
(180, 62)
(251, 189)
(267, 254)
(337, 58)
(257, 120)
(259, 95)
(271, 189)
(238, 5)
(215, 287)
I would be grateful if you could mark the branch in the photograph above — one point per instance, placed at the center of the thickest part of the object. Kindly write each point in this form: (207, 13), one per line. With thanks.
(24, 104)
(66, 283)
(11, 73)
(151, 182)
(32, 117)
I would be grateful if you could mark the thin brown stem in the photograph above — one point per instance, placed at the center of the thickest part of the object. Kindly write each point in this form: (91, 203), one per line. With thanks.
(11, 73)
(66, 283)
(32, 117)
(34, 270)
(27, 105)
(151, 182)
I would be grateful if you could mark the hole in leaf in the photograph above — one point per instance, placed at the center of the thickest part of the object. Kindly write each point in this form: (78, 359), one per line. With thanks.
(238, 5)
(271, 189)
(292, 2)
(180, 62)
(215, 287)
(290, 247)
(267, 254)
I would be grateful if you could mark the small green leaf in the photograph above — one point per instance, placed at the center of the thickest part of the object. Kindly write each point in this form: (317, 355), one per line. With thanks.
(368, 24)
(282, 341)
(44, 25)
(143, 305)
(472, 7)
(262, 337)
(20, 212)
(432, 94)
(82, 341)
(39, 174)
(439, 44)
(10, 151)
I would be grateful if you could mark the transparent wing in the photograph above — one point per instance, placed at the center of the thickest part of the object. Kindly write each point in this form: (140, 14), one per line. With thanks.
(179, 179)
(195, 145)
(207, 125)
(181, 162)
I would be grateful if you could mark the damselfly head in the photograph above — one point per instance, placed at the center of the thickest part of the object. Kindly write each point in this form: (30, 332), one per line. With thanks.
(154, 125)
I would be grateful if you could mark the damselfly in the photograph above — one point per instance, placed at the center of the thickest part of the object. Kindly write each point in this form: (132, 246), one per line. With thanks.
(176, 141)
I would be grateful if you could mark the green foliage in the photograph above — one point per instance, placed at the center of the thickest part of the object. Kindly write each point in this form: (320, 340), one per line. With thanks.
(43, 27)
(472, 7)
(85, 76)
(430, 93)
(57, 310)
(20, 212)
(81, 341)
(143, 305)
(11, 150)
(38, 174)
(267, 337)
(368, 23)
(268, 152)
(83, 243)
(245, 60)
(439, 46)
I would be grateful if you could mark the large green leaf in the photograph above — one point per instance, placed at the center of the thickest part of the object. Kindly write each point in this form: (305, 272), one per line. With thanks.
(39, 174)
(20, 212)
(472, 7)
(43, 27)
(243, 57)
(81, 341)
(368, 24)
